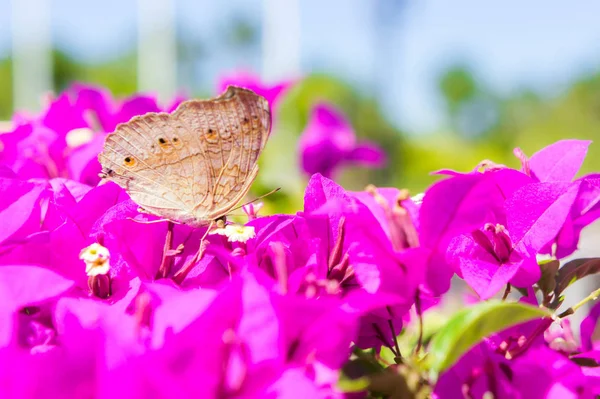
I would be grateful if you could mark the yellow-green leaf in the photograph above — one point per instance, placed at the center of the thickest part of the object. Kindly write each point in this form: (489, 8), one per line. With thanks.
(469, 326)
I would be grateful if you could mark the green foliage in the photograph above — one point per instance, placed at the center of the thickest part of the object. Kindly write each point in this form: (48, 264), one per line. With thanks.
(118, 75)
(547, 281)
(433, 320)
(355, 374)
(65, 70)
(364, 115)
(6, 92)
(469, 326)
(571, 272)
(457, 86)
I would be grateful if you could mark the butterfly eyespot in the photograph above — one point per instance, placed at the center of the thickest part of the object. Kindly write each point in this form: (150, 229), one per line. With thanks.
(211, 135)
(254, 117)
(129, 161)
(246, 120)
(164, 144)
(175, 139)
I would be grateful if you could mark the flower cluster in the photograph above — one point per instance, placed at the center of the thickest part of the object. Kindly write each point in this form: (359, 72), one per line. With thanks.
(329, 142)
(100, 300)
(65, 140)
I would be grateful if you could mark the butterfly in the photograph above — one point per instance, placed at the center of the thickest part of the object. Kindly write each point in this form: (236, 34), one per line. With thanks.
(195, 164)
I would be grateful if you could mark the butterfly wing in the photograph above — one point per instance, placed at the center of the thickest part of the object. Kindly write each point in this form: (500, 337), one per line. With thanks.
(193, 165)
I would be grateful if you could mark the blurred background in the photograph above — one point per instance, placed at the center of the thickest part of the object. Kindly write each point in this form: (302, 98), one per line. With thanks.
(437, 84)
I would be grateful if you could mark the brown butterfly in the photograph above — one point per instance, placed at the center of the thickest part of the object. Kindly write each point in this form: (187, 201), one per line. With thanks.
(194, 165)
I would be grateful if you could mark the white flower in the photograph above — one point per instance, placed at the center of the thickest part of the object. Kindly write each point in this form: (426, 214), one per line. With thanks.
(236, 232)
(96, 258)
(78, 137)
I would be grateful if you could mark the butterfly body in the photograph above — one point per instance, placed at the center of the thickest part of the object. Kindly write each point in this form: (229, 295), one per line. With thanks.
(194, 165)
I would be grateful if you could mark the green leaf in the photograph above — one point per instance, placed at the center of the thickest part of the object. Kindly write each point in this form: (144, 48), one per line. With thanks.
(348, 385)
(355, 375)
(571, 272)
(433, 320)
(469, 326)
(547, 282)
(392, 383)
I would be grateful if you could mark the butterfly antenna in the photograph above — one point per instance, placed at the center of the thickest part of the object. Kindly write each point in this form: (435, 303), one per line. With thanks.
(256, 199)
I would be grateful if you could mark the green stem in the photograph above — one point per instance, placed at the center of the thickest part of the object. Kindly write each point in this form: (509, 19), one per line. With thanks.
(592, 297)
(391, 324)
(506, 292)
(420, 316)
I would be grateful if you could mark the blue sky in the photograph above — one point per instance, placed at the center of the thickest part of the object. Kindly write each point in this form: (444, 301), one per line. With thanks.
(510, 44)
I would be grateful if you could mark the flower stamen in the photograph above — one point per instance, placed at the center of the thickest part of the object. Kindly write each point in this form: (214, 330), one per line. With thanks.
(97, 267)
(236, 232)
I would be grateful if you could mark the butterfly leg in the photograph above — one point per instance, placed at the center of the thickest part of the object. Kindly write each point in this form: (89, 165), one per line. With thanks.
(203, 244)
(185, 269)
(168, 253)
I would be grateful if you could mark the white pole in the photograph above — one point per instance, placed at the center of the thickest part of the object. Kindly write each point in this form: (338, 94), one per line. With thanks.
(31, 53)
(157, 51)
(281, 39)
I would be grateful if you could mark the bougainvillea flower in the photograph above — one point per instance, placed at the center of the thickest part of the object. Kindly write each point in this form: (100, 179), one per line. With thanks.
(248, 80)
(544, 373)
(66, 231)
(20, 209)
(495, 255)
(548, 206)
(280, 332)
(557, 162)
(514, 341)
(561, 161)
(85, 106)
(65, 139)
(254, 338)
(459, 205)
(535, 372)
(34, 206)
(30, 151)
(354, 245)
(396, 212)
(328, 142)
(28, 293)
(590, 330)
(585, 210)
(487, 260)
(23, 285)
(480, 373)
(99, 299)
